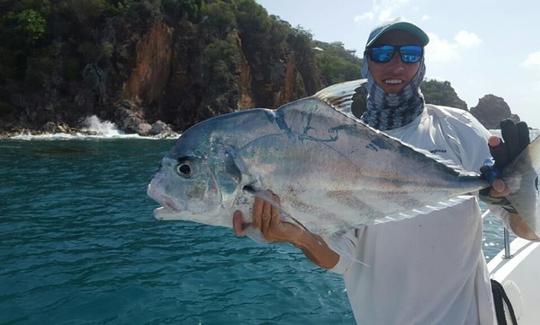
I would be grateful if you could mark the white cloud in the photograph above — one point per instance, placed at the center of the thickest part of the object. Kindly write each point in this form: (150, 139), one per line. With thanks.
(440, 50)
(365, 16)
(467, 39)
(532, 61)
(385, 15)
(425, 17)
(381, 10)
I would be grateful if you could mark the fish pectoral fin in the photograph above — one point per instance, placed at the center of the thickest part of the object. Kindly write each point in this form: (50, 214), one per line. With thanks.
(268, 197)
(255, 234)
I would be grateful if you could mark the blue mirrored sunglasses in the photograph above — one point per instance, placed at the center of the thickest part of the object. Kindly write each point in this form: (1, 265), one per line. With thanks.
(384, 53)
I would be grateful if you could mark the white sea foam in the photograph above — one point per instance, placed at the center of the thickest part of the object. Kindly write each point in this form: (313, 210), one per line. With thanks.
(94, 129)
(105, 128)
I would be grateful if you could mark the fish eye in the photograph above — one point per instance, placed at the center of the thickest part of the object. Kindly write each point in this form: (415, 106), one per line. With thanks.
(184, 169)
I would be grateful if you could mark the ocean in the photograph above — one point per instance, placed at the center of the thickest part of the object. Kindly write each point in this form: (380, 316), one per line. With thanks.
(79, 245)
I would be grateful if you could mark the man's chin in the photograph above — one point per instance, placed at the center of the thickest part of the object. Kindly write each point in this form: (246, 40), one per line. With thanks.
(392, 89)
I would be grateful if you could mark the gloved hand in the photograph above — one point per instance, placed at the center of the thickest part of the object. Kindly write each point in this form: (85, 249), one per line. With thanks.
(515, 138)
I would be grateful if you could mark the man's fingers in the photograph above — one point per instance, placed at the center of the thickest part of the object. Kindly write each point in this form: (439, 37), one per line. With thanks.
(498, 151)
(266, 216)
(275, 220)
(494, 141)
(499, 188)
(509, 132)
(256, 213)
(523, 135)
(238, 224)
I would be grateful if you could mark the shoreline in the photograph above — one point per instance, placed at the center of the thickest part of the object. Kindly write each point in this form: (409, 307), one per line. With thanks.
(92, 127)
(79, 134)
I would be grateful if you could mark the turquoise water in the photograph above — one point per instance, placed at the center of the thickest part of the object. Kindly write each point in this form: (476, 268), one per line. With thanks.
(79, 245)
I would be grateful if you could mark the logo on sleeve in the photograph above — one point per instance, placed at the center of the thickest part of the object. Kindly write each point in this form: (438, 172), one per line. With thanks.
(436, 151)
(536, 184)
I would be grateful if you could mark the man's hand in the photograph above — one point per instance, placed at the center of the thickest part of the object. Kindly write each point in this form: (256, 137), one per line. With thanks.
(266, 218)
(515, 138)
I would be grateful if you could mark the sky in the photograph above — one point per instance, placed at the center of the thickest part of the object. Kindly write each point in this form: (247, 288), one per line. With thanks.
(480, 46)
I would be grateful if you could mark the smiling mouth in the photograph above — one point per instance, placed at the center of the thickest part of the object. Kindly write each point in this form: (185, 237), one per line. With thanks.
(393, 82)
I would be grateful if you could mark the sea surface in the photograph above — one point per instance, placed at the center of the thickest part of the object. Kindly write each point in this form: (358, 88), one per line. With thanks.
(79, 245)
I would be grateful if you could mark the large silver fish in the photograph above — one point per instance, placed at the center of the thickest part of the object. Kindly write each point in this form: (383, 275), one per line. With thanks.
(331, 171)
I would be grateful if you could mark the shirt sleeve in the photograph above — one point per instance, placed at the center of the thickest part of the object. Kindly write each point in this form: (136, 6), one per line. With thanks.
(345, 244)
(470, 138)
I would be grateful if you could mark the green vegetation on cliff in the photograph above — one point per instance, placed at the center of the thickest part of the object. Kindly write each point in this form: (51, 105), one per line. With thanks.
(179, 61)
(176, 60)
(337, 63)
(441, 93)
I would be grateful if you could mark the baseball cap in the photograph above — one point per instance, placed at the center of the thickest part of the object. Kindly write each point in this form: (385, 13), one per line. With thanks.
(398, 25)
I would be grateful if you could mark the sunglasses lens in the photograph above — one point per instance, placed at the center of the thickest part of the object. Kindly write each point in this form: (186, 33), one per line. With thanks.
(382, 54)
(411, 53)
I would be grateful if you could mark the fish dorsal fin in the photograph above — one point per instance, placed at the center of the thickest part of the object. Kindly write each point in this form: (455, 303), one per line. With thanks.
(340, 96)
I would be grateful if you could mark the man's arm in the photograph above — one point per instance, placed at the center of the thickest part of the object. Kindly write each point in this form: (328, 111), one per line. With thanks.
(265, 217)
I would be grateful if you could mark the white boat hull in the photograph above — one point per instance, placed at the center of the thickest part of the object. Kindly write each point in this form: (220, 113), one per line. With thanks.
(520, 277)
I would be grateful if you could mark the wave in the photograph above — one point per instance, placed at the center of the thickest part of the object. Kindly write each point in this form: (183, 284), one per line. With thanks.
(94, 128)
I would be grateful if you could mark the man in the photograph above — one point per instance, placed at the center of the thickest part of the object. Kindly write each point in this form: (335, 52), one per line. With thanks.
(425, 270)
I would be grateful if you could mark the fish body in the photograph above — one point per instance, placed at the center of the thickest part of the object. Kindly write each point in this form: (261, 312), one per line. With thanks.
(331, 171)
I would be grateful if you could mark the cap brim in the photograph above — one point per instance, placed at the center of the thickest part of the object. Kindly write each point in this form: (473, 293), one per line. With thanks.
(404, 26)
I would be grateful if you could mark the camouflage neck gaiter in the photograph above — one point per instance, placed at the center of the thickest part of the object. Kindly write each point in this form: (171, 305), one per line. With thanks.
(390, 111)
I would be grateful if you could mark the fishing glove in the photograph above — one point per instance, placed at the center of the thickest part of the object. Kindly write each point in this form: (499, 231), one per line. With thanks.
(515, 138)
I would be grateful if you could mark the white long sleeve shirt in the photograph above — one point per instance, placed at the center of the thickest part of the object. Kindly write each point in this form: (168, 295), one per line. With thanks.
(429, 269)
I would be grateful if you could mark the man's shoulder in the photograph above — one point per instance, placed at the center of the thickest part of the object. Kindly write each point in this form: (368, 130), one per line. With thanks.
(448, 111)
(454, 116)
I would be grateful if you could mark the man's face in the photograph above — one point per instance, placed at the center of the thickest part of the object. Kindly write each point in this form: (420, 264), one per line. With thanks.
(392, 76)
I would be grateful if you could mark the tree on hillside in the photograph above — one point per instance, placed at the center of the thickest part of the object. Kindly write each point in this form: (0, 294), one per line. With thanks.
(336, 63)
(441, 93)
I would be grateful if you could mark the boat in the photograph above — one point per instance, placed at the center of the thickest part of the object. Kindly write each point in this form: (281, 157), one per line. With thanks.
(517, 269)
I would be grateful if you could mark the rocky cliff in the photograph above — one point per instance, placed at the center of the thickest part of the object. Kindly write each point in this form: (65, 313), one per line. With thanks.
(491, 110)
(139, 62)
(142, 63)
(442, 93)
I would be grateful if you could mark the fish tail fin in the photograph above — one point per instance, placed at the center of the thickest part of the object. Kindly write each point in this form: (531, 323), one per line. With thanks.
(522, 179)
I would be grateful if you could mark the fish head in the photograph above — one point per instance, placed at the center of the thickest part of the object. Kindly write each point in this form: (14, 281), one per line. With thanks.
(198, 180)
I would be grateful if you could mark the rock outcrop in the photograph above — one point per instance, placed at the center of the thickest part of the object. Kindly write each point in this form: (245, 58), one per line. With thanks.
(150, 75)
(442, 93)
(491, 110)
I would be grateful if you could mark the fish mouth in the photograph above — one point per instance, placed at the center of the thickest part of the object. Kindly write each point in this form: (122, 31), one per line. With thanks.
(166, 213)
(168, 209)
